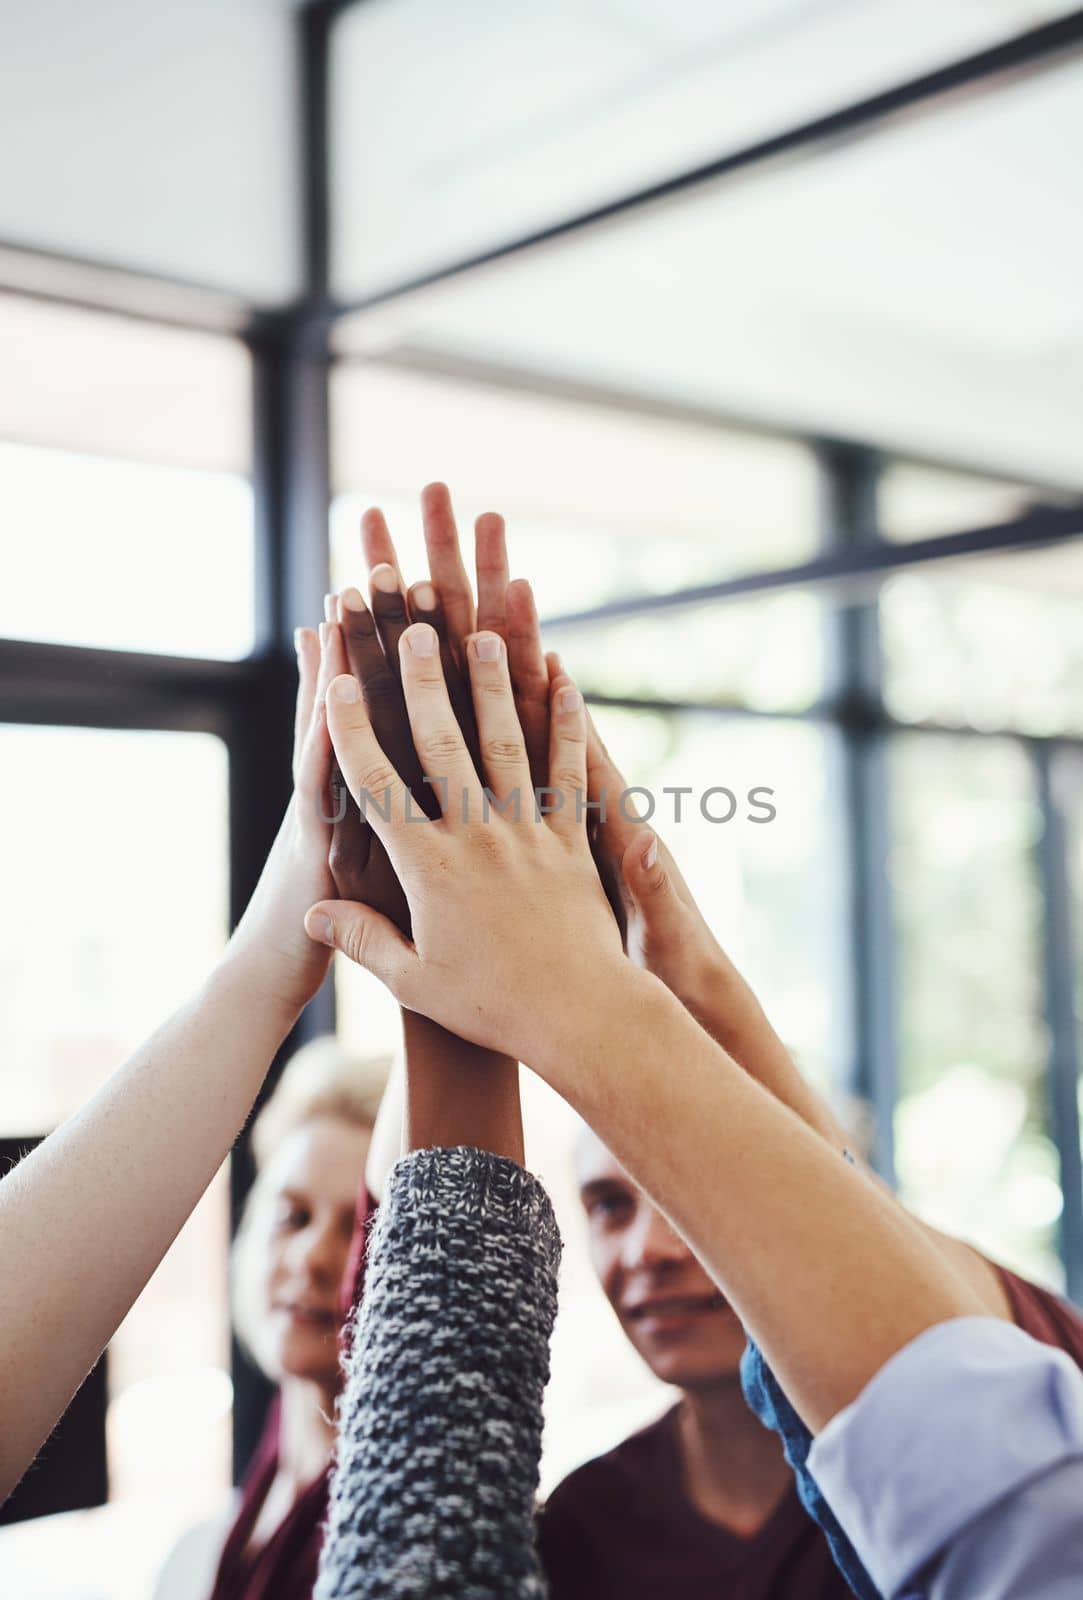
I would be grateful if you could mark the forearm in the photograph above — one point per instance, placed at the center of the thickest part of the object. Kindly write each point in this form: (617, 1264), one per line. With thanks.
(457, 1093)
(727, 1008)
(86, 1218)
(440, 1422)
(723, 1004)
(830, 1276)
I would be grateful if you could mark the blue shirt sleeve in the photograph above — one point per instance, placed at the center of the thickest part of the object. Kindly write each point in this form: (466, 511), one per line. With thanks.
(958, 1471)
(770, 1404)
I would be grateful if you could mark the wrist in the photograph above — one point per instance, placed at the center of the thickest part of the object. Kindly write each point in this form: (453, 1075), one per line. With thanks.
(458, 1093)
(595, 1018)
(721, 1001)
(266, 986)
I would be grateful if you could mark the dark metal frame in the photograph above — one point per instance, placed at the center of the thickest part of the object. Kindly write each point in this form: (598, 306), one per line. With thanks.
(248, 703)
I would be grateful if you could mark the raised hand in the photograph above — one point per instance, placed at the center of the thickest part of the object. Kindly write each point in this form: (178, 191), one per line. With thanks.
(270, 938)
(358, 861)
(446, 601)
(666, 931)
(507, 910)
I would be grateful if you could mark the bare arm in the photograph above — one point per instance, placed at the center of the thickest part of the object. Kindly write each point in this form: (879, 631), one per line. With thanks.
(668, 935)
(514, 945)
(86, 1218)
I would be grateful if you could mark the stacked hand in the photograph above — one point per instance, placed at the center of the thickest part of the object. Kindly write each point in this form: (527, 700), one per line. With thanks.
(527, 921)
(665, 931)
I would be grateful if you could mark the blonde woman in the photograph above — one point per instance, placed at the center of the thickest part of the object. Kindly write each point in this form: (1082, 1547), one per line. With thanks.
(290, 1259)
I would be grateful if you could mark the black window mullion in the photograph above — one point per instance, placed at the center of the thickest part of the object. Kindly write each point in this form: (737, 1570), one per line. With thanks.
(849, 521)
(1058, 982)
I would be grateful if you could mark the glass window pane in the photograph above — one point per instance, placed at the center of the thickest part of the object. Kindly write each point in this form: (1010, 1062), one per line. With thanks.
(517, 116)
(88, 813)
(973, 1146)
(919, 502)
(770, 889)
(600, 503)
(765, 654)
(123, 556)
(877, 292)
(108, 385)
(992, 642)
(125, 502)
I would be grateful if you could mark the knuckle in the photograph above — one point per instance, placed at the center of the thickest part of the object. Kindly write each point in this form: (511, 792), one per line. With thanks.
(361, 628)
(439, 742)
(380, 687)
(496, 687)
(570, 778)
(504, 752)
(374, 777)
(355, 942)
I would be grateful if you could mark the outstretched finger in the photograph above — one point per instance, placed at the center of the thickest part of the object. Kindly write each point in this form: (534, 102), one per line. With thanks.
(529, 674)
(567, 757)
(377, 543)
(491, 562)
(606, 789)
(379, 680)
(438, 739)
(503, 749)
(450, 578)
(387, 598)
(307, 645)
(425, 606)
(314, 772)
(381, 796)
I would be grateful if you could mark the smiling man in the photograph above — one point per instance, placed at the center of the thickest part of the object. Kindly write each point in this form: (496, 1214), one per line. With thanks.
(701, 1502)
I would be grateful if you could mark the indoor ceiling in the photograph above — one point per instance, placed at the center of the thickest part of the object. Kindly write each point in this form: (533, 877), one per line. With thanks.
(916, 288)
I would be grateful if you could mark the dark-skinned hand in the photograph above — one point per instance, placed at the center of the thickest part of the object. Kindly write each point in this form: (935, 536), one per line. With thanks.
(446, 602)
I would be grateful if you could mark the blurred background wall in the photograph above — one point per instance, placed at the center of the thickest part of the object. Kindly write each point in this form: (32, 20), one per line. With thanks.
(761, 323)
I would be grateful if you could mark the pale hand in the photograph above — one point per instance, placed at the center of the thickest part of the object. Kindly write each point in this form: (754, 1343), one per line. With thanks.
(510, 921)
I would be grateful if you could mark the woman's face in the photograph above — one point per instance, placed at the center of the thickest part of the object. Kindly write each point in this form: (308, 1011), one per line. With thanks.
(312, 1184)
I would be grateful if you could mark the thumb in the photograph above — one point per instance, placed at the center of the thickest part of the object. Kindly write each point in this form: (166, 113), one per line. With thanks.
(367, 937)
(648, 883)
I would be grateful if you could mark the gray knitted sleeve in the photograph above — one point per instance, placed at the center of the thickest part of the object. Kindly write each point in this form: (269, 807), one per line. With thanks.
(440, 1423)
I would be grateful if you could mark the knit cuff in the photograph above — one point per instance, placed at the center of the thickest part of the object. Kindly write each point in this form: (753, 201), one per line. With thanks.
(492, 1191)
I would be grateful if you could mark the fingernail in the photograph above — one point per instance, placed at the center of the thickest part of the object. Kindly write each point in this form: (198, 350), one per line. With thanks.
(425, 597)
(329, 607)
(319, 927)
(298, 636)
(345, 688)
(384, 578)
(353, 600)
(324, 630)
(422, 640)
(487, 646)
(650, 854)
(569, 700)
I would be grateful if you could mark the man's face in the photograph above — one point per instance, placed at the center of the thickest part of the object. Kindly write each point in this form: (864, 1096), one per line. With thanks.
(668, 1306)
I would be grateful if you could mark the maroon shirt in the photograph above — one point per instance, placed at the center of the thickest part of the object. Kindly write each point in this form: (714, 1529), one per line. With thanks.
(622, 1528)
(285, 1567)
(1044, 1315)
